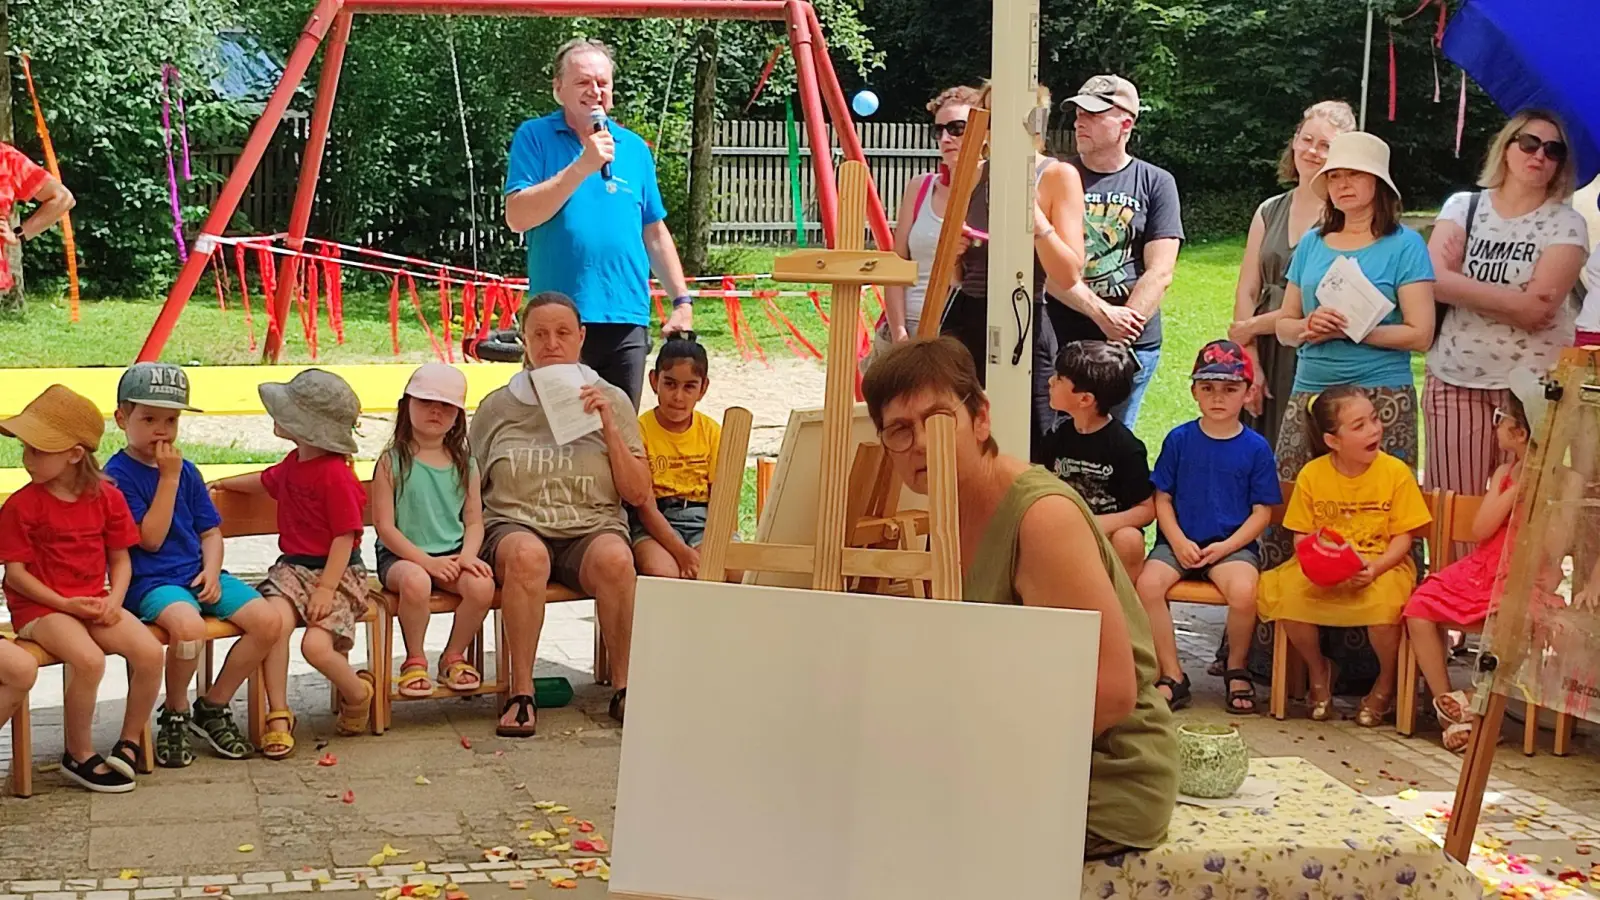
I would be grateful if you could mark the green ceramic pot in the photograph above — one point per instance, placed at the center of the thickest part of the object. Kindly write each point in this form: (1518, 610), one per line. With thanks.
(1213, 760)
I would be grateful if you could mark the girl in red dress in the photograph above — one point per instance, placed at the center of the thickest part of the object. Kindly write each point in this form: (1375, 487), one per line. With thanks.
(1457, 596)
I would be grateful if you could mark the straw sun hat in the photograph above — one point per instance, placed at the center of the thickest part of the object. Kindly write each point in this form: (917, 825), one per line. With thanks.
(1358, 151)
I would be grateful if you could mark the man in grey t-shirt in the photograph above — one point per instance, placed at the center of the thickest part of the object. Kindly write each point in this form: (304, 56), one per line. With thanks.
(1133, 229)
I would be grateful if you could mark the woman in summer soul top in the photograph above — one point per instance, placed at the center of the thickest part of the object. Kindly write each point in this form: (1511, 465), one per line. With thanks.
(1504, 279)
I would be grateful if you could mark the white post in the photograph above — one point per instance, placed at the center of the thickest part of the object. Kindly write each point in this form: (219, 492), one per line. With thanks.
(1015, 73)
(1366, 69)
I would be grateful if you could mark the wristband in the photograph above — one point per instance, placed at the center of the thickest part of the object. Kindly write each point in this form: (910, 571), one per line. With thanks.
(683, 300)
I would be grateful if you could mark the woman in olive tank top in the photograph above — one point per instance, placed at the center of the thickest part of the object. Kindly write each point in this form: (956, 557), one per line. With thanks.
(1024, 538)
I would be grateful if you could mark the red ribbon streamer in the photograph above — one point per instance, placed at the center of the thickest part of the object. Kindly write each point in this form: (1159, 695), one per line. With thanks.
(69, 241)
(772, 307)
(416, 303)
(816, 300)
(312, 309)
(1393, 77)
(766, 72)
(394, 314)
(244, 293)
(333, 277)
(446, 313)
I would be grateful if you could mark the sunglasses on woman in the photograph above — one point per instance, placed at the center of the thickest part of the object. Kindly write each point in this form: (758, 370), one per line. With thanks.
(956, 128)
(1555, 151)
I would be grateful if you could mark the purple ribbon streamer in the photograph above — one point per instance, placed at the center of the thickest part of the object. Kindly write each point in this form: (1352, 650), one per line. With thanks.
(168, 74)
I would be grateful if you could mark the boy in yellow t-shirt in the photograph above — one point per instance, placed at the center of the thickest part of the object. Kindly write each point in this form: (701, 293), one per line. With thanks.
(681, 444)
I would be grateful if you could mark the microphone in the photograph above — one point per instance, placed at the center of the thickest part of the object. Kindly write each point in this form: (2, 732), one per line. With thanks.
(597, 117)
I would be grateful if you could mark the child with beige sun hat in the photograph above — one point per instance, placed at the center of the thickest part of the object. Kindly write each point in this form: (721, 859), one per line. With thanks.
(321, 514)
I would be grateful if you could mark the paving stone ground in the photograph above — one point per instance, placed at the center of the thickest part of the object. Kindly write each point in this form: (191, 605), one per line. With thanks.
(183, 829)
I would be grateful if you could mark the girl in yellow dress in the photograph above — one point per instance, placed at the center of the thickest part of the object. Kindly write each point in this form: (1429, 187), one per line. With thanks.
(1372, 500)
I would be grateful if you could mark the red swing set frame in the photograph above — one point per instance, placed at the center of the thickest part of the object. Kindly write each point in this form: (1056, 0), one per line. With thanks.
(331, 21)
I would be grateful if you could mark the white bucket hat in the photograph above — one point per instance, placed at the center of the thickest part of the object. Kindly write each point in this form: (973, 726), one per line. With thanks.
(317, 407)
(1359, 151)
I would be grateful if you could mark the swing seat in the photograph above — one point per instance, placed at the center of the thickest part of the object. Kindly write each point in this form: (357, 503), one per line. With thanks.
(499, 346)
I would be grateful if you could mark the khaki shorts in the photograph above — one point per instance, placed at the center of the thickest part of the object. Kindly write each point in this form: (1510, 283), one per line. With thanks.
(566, 554)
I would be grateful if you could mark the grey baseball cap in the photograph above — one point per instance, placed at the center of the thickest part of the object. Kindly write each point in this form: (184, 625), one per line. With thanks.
(1102, 92)
(162, 385)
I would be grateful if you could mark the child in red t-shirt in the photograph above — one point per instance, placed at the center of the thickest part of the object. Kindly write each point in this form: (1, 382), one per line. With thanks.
(59, 536)
(22, 179)
(321, 512)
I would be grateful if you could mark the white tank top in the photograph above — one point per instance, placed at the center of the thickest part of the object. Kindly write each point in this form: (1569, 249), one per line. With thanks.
(922, 242)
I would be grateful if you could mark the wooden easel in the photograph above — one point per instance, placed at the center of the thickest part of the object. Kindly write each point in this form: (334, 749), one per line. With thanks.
(1508, 632)
(838, 552)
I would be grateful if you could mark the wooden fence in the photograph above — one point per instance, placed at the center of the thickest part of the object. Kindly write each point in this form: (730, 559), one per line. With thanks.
(752, 200)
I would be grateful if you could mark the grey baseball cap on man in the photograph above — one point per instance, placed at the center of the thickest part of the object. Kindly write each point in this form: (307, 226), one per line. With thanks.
(162, 385)
(1102, 92)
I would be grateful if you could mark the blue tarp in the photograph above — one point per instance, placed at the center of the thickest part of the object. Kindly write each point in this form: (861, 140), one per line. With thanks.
(1536, 54)
(247, 71)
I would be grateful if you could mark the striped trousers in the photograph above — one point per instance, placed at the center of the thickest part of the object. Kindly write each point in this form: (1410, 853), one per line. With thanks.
(1458, 428)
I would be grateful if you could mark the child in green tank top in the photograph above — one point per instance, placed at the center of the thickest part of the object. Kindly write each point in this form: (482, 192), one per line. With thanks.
(428, 513)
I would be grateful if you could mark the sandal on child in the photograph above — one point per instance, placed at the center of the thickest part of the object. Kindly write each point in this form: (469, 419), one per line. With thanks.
(459, 675)
(1181, 694)
(172, 740)
(1246, 695)
(127, 757)
(525, 723)
(355, 717)
(414, 680)
(214, 724)
(111, 781)
(279, 744)
(1442, 704)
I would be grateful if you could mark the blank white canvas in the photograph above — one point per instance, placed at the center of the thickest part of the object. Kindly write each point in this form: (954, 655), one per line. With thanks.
(786, 744)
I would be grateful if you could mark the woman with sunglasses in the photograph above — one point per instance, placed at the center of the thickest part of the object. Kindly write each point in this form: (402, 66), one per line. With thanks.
(1506, 259)
(1275, 230)
(921, 217)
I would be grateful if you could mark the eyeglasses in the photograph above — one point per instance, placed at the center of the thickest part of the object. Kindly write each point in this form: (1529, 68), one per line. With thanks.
(898, 437)
(1555, 151)
(1306, 141)
(1499, 416)
(957, 128)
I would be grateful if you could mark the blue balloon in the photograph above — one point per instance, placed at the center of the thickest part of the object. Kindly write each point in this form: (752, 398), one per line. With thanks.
(865, 103)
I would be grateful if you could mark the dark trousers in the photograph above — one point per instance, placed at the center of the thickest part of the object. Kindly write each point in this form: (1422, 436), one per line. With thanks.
(619, 353)
(966, 319)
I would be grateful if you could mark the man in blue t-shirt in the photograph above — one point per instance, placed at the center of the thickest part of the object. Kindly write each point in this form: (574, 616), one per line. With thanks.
(584, 191)
(1216, 482)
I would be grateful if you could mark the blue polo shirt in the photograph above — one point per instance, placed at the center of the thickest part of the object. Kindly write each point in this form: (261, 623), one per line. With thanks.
(593, 248)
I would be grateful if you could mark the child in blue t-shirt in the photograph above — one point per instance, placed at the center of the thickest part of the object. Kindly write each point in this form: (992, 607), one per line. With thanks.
(1216, 482)
(177, 567)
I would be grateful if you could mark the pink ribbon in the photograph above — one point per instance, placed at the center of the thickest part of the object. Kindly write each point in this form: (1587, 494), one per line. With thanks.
(170, 86)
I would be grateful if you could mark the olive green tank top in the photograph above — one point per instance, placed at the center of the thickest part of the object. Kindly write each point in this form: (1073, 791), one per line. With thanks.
(1133, 768)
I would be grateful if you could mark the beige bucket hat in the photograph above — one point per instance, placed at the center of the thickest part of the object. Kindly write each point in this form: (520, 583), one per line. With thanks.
(317, 407)
(1359, 151)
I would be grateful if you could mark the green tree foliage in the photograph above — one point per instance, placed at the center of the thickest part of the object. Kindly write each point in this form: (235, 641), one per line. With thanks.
(1223, 82)
(97, 64)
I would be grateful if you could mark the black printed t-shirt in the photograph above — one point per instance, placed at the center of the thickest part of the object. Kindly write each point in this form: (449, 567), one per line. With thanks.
(1108, 467)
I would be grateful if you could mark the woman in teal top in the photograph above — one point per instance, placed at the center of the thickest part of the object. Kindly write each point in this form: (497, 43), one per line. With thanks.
(1360, 220)
(1024, 537)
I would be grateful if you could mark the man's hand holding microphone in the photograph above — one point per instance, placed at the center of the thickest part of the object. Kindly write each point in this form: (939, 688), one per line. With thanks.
(599, 147)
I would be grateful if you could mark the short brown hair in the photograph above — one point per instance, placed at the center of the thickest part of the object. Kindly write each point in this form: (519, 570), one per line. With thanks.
(939, 364)
(1336, 112)
(546, 298)
(1494, 163)
(1386, 211)
(960, 95)
(579, 45)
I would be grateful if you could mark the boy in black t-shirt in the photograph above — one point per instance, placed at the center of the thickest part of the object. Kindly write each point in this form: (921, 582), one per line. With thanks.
(1096, 454)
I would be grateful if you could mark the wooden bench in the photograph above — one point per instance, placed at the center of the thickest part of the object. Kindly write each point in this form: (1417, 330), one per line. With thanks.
(1455, 526)
(22, 723)
(1286, 666)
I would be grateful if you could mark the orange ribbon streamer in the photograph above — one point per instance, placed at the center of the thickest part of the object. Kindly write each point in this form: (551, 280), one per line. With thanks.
(68, 240)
